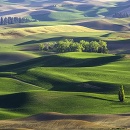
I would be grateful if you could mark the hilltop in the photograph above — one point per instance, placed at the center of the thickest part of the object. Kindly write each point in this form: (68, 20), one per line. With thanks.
(49, 10)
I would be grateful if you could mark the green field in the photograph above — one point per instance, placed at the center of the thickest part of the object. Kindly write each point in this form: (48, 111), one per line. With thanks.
(34, 81)
(76, 83)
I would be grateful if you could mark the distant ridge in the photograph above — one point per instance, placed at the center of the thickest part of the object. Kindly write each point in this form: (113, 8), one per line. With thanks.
(104, 25)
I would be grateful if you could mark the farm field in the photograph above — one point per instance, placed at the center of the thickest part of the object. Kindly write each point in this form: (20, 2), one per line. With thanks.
(78, 83)
(75, 85)
(65, 77)
(44, 89)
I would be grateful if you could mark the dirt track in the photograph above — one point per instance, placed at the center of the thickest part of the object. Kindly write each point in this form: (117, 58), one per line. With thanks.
(58, 121)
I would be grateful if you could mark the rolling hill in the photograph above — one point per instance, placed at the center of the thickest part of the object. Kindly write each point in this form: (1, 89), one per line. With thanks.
(104, 25)
(64, 90)
(14, 57)
(67, 10)
(73, 82)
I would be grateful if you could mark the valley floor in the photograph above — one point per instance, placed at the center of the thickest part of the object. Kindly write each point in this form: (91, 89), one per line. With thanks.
(55, 121)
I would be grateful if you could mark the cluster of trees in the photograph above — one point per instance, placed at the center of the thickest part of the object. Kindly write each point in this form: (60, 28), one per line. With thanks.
(13, 20)
(121, 15)
(68, 45)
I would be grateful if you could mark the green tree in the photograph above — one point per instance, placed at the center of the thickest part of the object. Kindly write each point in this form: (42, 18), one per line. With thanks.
(2, 21)
(69, 45)
(121, 94)
(93, 46)
(41, 46)
(64, 46)
(85, 45)
(78, 47)
(102, 47)
(5, 21)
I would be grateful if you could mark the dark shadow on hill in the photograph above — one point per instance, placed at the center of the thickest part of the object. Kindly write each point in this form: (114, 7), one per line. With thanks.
(92, 13)
(91, 87)
(119, 44)
(41, 41)
(103, 25)
(124, 52)
(13, 11)
(84, 7)
(23, 25)
(127, 41)
(103, 87)
(106, 35)
(57, 9)
(88, 10)
(59, 62)
(53, 84)
(41, 16)
(123, 3)
(113, 10)
(36, 3)
(104, 99)
(70, 62)
(15, 100)
(15, 1)
(66, 85)
(76, 39)
(59, 116)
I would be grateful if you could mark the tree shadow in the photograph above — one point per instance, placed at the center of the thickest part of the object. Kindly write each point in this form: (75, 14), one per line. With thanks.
(103, 87)
(98, 98)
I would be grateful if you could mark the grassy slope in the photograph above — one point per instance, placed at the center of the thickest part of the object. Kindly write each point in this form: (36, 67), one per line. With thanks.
(15, 43)
(9, 86)
(21, 32)
(14, 57)
(89, 71)
(64, 79)
(97, 82)
(30, 43)
(12, 95)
